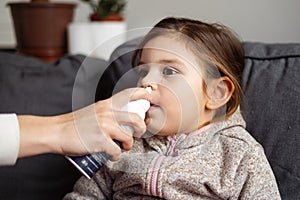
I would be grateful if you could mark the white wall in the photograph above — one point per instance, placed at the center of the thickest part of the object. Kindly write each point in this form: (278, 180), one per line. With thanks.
(255, 20)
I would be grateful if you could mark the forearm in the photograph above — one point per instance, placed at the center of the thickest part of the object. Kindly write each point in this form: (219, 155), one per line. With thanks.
(38, 135)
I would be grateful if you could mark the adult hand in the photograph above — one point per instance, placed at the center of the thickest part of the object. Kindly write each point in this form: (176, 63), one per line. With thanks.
(88, 130)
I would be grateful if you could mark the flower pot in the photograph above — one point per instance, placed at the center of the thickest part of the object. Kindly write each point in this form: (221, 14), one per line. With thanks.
(111, 17)
(96, 39)
(99, 37)
(40, 28)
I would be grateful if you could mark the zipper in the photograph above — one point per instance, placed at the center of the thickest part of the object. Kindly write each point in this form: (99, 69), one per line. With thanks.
(171, 148)
(171, 151)
(154, 176)
(159, 160)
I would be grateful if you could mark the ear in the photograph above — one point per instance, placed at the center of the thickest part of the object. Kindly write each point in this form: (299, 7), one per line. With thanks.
(219, 93)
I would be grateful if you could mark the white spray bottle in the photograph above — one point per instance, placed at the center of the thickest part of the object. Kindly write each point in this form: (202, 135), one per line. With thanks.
(140, 107)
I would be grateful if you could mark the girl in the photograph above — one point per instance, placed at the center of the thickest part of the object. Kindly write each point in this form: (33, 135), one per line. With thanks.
(198, 147)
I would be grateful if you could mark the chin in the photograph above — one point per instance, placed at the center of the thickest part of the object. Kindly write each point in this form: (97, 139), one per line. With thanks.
(157, 124)
(154, 127)
(159, 129)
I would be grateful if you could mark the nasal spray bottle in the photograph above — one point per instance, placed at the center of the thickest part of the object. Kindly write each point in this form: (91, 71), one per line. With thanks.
(88, 165)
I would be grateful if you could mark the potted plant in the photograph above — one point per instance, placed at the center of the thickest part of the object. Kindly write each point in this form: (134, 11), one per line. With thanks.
(106, 10)
(103, 33)
(40, 28)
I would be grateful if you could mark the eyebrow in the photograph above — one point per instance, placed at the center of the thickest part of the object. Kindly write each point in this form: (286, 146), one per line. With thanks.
(167, 61)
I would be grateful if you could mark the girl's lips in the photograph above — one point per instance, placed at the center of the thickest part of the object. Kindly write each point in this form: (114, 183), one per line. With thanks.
(153, 106)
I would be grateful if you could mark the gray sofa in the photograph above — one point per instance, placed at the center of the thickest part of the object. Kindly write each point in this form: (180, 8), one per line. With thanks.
(271, 83)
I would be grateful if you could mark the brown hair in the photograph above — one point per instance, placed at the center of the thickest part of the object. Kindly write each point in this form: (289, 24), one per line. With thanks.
(214, 43)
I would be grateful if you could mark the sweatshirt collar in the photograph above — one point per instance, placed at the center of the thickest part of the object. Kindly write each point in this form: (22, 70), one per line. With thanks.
(200, 136)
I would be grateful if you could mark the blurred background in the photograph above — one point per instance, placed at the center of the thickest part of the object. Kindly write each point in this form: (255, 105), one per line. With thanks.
(256, 20)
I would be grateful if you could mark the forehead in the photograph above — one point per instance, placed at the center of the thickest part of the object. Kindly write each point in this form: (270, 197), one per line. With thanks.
(164, 48)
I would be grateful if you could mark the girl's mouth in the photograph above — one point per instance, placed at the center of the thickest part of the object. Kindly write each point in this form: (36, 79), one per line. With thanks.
(153, 106)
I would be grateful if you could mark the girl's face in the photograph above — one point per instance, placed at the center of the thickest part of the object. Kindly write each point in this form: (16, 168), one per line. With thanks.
(179, 102)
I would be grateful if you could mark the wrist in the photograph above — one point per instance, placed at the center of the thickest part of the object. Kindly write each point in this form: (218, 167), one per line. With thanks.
(65, 137)
(53, 134)
(38, 135)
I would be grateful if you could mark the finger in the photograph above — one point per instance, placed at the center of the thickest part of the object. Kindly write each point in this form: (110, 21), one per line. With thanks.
(113, 150)
(124, 139)
(122, 98)
(139, 93)
(133, 120)
(115, 131)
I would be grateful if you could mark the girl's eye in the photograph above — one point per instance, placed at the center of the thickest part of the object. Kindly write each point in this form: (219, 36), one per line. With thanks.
(169, 71)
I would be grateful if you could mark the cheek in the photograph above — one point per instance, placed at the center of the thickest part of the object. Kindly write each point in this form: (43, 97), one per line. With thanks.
(173, 112)
(190, 104)
(166, 119)
(179, 111)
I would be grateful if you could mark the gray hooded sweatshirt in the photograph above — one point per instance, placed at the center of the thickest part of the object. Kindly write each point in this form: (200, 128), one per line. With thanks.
(219, 161)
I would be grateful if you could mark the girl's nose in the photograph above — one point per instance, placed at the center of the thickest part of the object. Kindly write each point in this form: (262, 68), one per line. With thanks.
(149, 81)
(153, 86)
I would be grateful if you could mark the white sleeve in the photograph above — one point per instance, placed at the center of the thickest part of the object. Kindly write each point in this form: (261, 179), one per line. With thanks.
(9, 139)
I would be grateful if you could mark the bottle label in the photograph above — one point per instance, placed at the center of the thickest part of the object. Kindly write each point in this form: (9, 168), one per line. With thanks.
(88, 165)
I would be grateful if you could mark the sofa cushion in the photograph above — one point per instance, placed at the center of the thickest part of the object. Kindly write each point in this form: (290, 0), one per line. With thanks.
(271, 108)
(30, 86)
